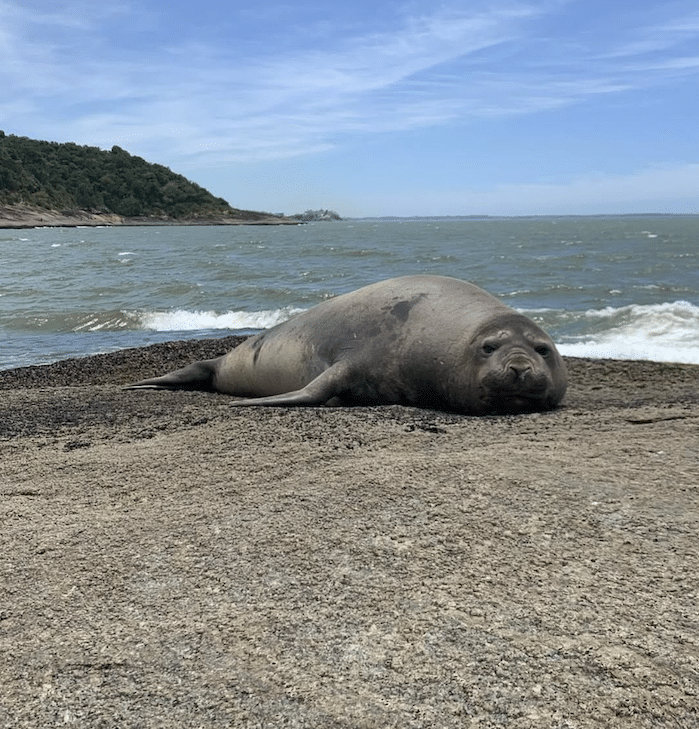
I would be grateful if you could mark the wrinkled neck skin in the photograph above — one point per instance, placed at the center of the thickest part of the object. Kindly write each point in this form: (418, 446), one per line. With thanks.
(513, 366)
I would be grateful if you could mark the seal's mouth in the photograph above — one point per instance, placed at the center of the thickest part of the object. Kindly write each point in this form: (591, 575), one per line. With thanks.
(507, 402)
(507, 395)
(517, 382)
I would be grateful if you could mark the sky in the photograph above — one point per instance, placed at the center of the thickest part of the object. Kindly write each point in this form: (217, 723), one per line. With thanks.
(380, 108)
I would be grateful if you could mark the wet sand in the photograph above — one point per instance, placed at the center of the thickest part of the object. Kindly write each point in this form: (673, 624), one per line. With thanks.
(170, 561)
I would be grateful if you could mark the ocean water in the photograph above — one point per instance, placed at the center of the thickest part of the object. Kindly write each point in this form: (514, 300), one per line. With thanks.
(623, 287)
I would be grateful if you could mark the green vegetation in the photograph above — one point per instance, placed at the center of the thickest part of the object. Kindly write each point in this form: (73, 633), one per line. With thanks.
(69, 176)
(313, 215)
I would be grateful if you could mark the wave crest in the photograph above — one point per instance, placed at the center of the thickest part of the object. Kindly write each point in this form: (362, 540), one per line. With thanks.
(667, 332)
(182, 320)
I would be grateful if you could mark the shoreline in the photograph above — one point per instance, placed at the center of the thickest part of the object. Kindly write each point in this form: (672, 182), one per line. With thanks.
(27, 216)
(120, 365)
(160, 357)
(169, 560)
(163, 356)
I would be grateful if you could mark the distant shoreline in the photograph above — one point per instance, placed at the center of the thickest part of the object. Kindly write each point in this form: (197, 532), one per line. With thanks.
(28, 216)
(532, 216)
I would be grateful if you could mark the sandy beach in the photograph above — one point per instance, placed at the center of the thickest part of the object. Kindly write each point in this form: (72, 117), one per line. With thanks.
(170, 561)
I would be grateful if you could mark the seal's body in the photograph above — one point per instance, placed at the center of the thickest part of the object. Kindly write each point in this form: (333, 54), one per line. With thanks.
(429, 341)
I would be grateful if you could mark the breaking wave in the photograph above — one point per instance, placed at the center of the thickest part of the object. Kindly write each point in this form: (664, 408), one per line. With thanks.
(666, 332)
(182, 320)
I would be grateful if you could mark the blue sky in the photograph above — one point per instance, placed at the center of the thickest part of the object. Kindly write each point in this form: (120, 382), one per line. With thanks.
(375, 108)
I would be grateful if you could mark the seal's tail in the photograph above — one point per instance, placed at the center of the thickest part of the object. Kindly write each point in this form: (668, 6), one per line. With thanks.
(197, 376)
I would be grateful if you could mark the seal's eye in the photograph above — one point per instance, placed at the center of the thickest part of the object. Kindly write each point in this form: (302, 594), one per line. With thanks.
(489, 348)
(542, 350)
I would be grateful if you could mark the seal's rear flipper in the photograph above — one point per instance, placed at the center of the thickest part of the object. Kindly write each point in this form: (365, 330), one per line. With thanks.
(328, 385)
(197, 376)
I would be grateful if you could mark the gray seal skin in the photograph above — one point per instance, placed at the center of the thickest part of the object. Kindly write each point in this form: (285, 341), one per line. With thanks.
(427, 341)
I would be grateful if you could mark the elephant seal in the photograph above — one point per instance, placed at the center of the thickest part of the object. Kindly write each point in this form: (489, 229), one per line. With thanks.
(427, 341)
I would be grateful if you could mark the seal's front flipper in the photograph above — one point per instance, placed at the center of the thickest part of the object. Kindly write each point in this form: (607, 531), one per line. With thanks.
(197, 376)
(320, 391)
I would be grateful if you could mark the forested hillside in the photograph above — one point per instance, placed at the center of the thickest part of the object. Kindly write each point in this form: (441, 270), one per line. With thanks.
(69, 176)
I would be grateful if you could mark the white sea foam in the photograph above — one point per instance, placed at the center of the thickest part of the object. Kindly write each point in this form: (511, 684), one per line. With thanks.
(666, 332)
(181, 320)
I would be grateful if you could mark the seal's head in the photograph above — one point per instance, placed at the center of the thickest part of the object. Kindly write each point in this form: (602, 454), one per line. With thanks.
(516, 367)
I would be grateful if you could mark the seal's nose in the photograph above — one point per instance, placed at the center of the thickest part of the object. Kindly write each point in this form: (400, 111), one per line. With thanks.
(525, 379)
(519, 371)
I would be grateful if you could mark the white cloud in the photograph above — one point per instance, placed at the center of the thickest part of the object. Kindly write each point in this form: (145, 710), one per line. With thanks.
(650, 39)
(195, 97)
(197, 103)
(381, 60)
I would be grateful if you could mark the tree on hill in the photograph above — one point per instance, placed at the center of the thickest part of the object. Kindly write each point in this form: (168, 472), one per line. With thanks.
(69, 176)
